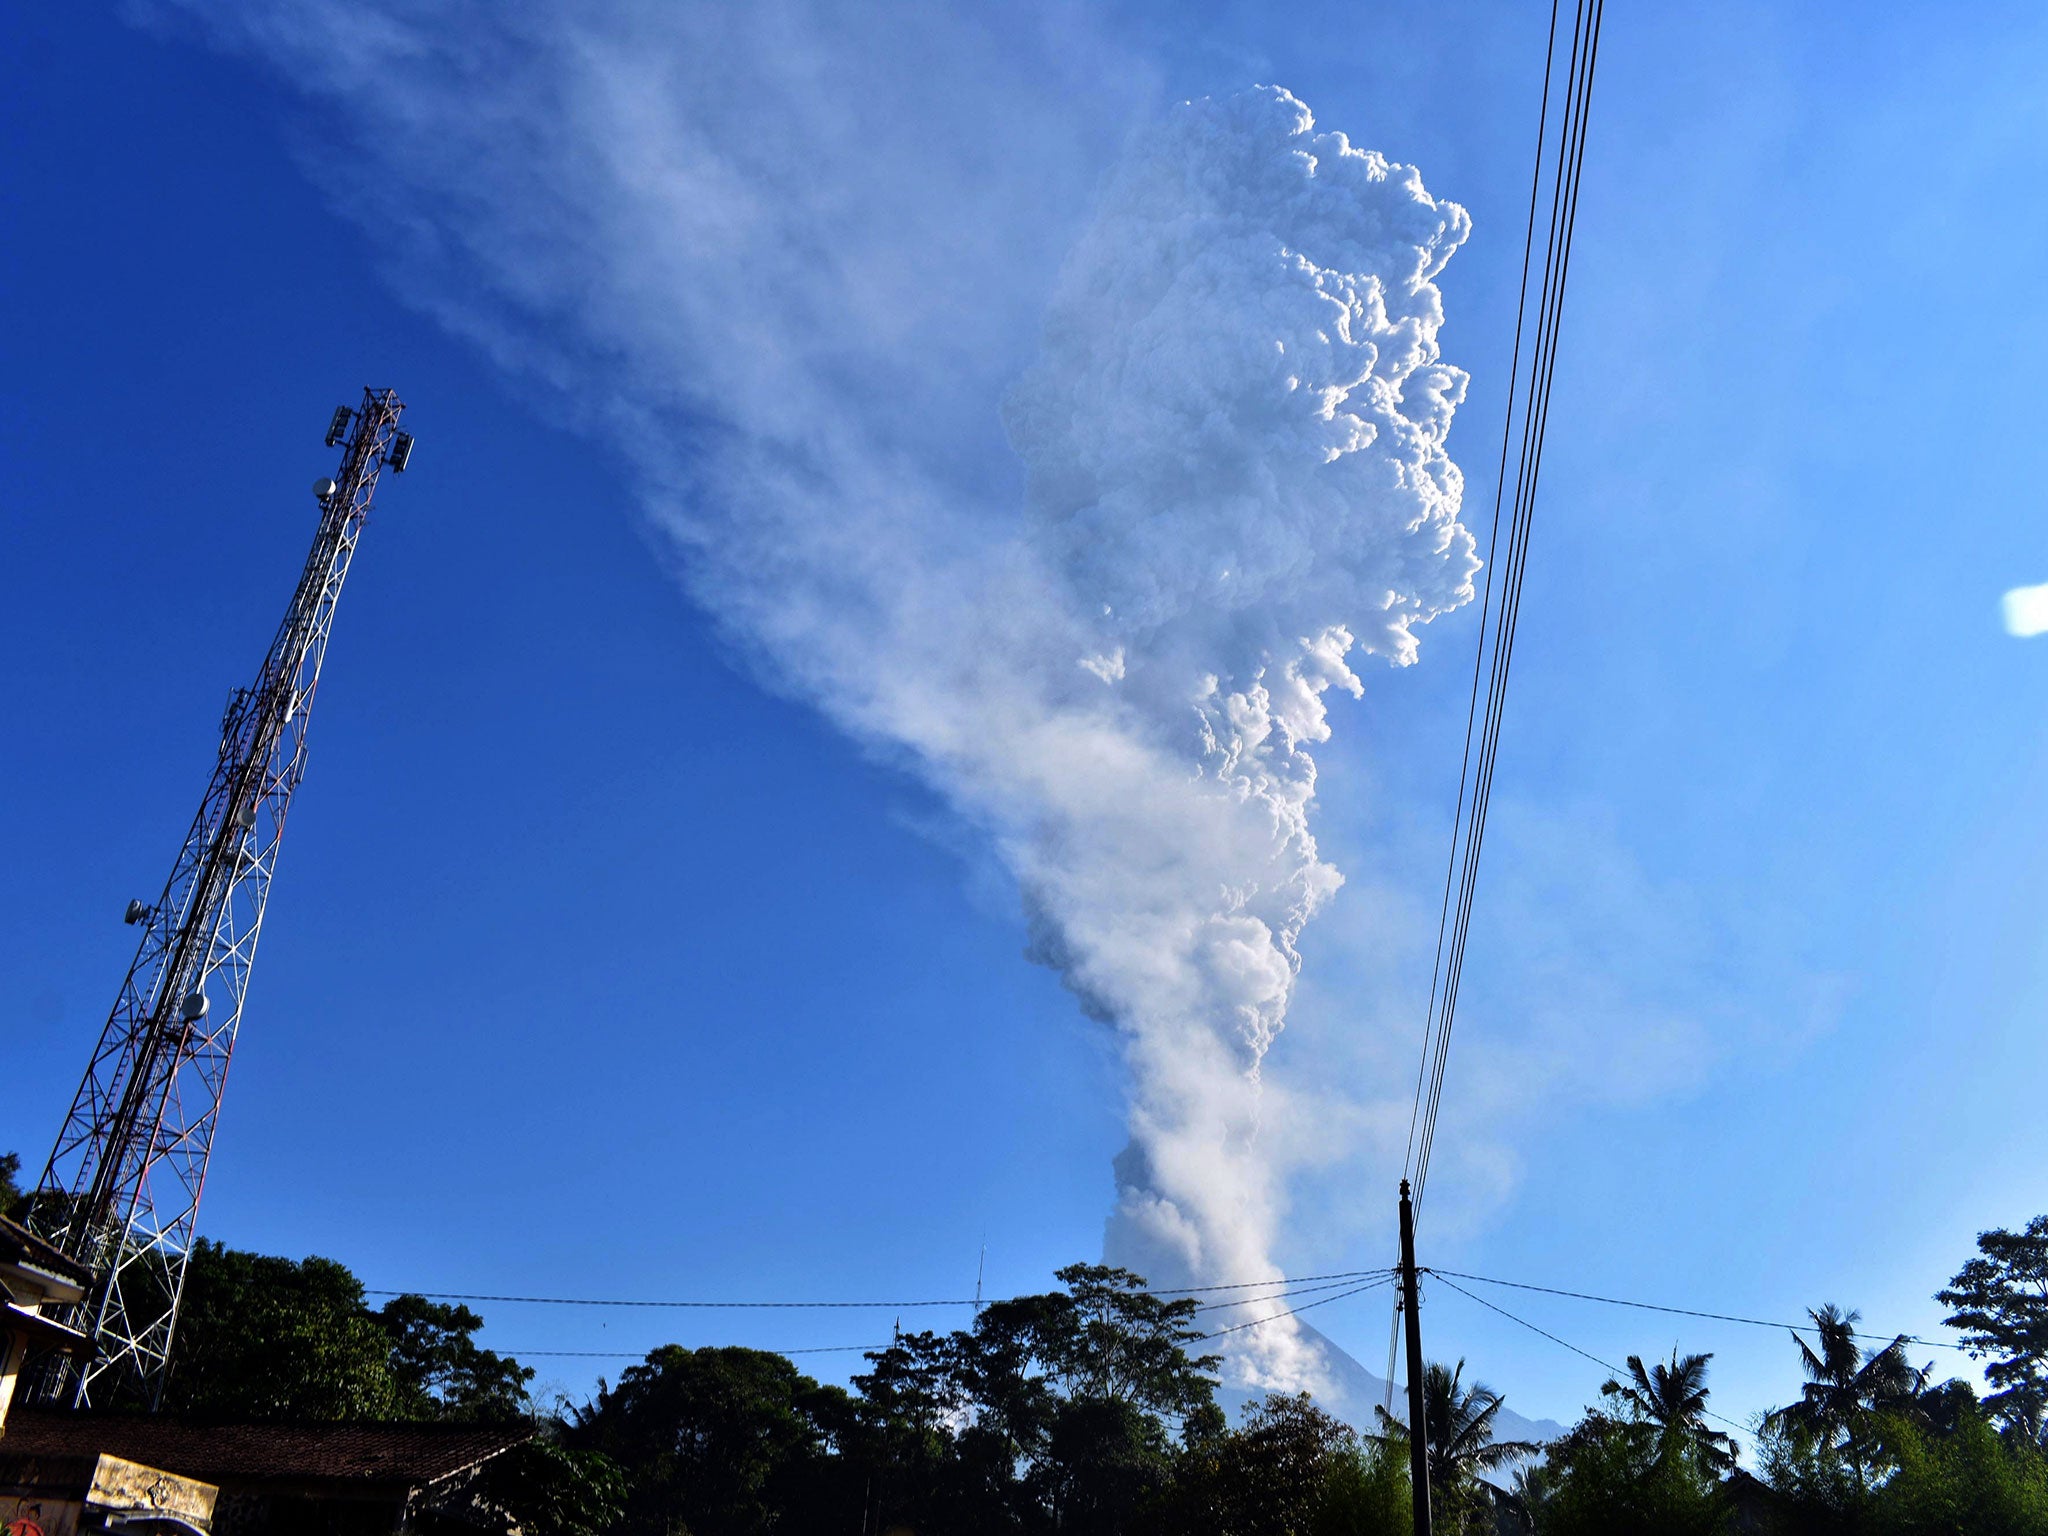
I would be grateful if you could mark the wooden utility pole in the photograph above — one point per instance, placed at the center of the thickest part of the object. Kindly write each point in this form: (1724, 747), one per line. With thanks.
(1418, 1418)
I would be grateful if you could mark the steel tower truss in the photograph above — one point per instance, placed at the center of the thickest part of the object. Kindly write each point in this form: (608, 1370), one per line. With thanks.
(121, 1190)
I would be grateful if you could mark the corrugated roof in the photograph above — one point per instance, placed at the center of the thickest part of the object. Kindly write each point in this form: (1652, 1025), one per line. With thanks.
(413, 1454)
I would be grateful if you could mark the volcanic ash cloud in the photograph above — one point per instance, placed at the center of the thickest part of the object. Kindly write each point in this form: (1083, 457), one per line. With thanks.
(1235, 443)
(1237, 486)
(783, 307)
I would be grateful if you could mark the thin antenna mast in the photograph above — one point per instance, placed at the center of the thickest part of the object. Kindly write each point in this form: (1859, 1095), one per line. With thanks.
(121, 1190)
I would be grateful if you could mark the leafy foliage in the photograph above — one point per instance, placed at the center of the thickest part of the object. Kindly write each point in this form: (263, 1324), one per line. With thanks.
(2000, 1301)
(1673, 1397)
(1624, 1477)
(537, 1488)
(13, 1201)
(1365, 1493)
(440, 1371)
(269, 1338)
(1081, 1412)
(1064, 1411)
(1458, 1421)
(1946, 1472)
(732, 1441)
(1966, 1480)
(1847, 1391)
(1278, 1472)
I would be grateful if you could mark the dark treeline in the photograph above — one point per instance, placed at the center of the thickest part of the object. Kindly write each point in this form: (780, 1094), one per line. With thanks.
(1090, 1410)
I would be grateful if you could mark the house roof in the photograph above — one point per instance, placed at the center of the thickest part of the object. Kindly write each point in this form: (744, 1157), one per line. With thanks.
(18, 1245)
(412, 1454)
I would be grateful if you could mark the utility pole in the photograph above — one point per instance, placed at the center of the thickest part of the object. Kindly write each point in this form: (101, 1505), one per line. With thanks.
(120, 1193)
(1418, 1418)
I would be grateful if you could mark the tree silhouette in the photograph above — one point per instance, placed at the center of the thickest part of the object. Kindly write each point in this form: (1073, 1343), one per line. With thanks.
(1459, 1422)
(2001, 1308)
(1674, 1398)
(1847, 1388)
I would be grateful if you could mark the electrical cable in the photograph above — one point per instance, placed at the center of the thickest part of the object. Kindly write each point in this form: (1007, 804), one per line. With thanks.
(1607, 1365)
(628, 1354)
(1719, 1317)
(1259, 1322)
(1286, 1285)
(1382, 1278)
(1244, 1285)
(1428, 1085)
(610, 1301)
(1535, 420)
(1486, 591)
(1616, 1371)
(1290, 1294)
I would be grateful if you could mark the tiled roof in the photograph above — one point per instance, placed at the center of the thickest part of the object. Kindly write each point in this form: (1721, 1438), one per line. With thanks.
(412, 1454)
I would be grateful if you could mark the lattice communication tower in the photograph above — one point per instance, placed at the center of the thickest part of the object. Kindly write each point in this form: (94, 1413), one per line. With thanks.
(121, 1190)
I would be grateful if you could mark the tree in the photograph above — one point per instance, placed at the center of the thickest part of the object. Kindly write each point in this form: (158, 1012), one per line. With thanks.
(1674, 1398)
(261, 1337)
(269, 1338)
(1062, 1407)
(2000, 1302)
(439, 1371)
(1811, 1480)
(1107, 1337)
(1623, 1477)
(13, 1202)
(904, 1434)
(1366, 1493)
(1969, 1480)
(1287, 1451)
(1278, 1474)
(1847, 1389)
(1459, 1422)
(539, 1487)
(723, 1442)
(1116, 1370)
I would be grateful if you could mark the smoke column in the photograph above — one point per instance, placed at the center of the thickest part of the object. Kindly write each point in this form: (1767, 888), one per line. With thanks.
(1235, 483)
(1237, 486)
(1235, 438)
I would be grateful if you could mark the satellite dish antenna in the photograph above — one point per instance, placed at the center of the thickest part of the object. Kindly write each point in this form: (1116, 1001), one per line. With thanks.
(324, 488)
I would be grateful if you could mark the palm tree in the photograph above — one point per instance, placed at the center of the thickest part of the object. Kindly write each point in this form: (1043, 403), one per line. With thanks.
(1674, 1398)
(1846, 1388)
(1459, 1420)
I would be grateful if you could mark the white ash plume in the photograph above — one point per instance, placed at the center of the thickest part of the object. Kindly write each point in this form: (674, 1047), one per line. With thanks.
(795, 313)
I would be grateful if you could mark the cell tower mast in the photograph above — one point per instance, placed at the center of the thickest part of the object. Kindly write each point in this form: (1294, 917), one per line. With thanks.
(121, 1190)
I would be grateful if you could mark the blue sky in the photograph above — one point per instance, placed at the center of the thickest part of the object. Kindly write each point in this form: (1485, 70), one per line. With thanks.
(600, 963)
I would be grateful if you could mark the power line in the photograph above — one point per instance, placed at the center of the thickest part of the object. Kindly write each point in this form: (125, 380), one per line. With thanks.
(1719, 1317)
(1571, 148)
(1614, 1370)
(1485, 600)
(631, 1354)
(1607, 1365)
(1284, 1286)
(1307, 1290)
(1380, 1278)
(614, 1301)
(1475, 787)
(1245, 1285)
(1258, 1322)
